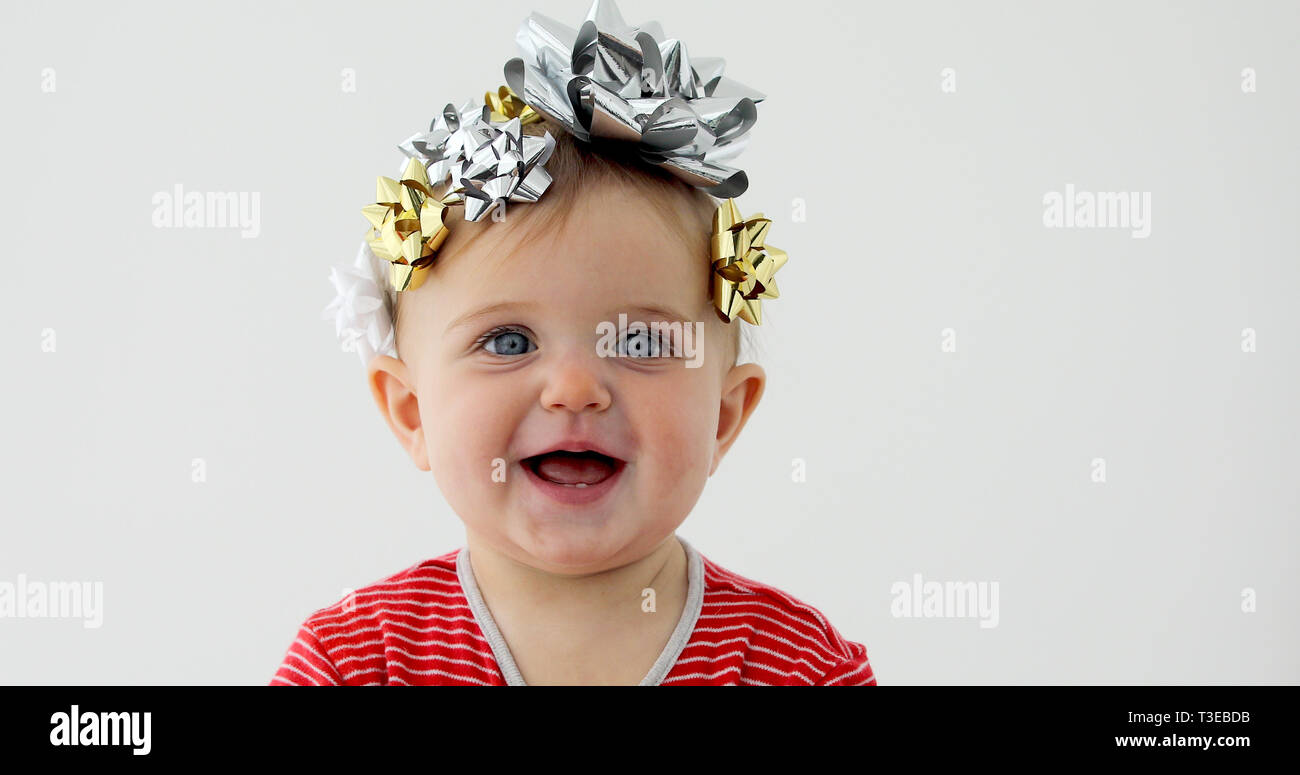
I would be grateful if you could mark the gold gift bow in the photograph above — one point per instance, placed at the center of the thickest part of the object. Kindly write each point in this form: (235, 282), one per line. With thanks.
(505, 105)
(408, 223)
(744, 264)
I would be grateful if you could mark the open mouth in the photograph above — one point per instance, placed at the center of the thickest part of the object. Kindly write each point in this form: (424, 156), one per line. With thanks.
(573, 469)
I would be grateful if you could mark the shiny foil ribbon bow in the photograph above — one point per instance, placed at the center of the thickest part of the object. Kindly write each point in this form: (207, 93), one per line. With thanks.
(608, 79)
(408, 225)
(483, 150)
(743, 264)
(505, 105)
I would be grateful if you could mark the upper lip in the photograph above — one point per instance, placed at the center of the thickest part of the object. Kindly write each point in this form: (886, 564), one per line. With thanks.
(575, 445)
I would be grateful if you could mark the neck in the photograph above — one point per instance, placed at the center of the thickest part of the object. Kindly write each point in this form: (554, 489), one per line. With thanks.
(507, 582)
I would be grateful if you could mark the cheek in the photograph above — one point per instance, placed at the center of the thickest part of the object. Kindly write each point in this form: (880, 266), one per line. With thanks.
(677, 424)
(468, 427)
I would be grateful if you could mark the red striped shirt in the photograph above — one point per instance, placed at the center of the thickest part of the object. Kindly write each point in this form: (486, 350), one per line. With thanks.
(427, 625)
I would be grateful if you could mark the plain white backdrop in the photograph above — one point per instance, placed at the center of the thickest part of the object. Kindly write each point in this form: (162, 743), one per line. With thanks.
(924, 212)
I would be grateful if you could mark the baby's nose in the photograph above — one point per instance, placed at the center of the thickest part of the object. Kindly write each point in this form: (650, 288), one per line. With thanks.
(576, 382)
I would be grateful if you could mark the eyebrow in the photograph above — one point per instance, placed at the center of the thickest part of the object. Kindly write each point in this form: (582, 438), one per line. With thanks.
(650, 309)
(501, 306)
(490, 309)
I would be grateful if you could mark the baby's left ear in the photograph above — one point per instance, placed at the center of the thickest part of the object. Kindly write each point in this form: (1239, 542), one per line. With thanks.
(741, 390)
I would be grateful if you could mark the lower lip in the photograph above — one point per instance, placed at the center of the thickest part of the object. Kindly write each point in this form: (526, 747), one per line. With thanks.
(573, 495)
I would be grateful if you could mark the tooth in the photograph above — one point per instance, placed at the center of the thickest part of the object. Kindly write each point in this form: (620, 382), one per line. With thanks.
(581, 484)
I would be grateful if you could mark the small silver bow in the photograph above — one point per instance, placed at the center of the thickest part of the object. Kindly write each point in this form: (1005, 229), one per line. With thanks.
(489, 162)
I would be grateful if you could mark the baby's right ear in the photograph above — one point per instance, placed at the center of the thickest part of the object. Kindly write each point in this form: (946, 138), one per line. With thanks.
(394, 392)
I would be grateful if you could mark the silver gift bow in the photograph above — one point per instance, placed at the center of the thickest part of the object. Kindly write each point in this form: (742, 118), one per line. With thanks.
(611, 80)
(489, 162)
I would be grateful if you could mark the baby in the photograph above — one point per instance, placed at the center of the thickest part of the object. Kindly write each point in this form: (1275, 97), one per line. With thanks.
(569, 373)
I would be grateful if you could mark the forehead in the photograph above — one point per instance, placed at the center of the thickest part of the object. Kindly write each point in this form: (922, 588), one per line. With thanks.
(609, 248)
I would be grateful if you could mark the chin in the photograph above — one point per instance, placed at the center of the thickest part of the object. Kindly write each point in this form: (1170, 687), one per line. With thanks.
(566, 550)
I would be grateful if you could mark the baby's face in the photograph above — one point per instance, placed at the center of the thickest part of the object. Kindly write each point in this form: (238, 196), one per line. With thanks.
(501, 357)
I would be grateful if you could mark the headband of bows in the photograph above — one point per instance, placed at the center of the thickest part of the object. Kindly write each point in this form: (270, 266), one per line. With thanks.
(605, 80)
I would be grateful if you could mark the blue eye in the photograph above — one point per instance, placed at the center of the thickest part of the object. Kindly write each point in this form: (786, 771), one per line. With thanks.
(508, 341)
(644, 344)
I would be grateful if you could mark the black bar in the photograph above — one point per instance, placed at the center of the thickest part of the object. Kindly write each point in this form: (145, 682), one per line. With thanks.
(918, 724)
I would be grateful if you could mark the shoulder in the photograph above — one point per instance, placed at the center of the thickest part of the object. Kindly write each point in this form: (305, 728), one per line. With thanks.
(418, 585)
(337, 642)
(782, 639)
